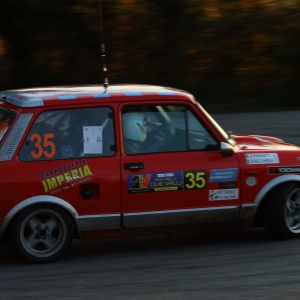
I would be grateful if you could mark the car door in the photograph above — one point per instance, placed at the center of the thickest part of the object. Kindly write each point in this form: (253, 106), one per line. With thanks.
(72, 156)
(179, 176)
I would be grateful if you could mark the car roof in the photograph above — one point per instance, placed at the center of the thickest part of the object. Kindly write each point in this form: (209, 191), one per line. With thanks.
(58, 95)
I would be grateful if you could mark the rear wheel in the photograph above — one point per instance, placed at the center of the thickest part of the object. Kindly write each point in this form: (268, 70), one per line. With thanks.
(282, 216)
(41, 233)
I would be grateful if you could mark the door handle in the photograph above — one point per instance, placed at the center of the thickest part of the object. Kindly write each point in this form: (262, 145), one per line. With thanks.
(134, 166)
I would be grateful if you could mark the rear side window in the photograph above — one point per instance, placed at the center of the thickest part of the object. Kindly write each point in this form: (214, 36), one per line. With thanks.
(72, 133)
(6, 119)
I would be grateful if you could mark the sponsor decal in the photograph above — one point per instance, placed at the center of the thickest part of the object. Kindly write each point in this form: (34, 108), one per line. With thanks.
(168, 181)
(220, 175)
(261, 158)
(74, 173)
(227, 185)
(227, 194)
(284, 170)
(251, 181)
(63, 169)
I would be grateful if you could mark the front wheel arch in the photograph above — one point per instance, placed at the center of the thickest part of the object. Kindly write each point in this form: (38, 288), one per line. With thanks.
(282, 211)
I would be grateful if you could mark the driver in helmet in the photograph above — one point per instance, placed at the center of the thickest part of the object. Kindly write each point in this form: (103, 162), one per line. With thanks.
(139, 139)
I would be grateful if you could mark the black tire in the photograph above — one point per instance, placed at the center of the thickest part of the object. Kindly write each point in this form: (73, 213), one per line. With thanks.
(282, 215)
(41, 233)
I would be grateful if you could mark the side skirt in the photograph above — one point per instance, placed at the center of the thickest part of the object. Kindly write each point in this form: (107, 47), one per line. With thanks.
(178, 217)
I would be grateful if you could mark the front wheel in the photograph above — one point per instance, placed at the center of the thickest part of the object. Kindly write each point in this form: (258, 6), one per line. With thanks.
(41, 233)
(282, 216)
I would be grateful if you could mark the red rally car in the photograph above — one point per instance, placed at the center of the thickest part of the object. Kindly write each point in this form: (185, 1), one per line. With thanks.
(85, 162)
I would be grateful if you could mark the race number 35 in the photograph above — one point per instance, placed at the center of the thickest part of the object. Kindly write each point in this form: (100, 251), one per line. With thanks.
(43, 145)
(194, 180)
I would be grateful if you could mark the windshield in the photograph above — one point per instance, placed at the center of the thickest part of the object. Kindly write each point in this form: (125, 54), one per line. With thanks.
(6, 119)
(217, 126)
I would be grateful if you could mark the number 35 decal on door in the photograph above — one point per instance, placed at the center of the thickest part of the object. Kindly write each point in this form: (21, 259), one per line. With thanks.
(194, 180)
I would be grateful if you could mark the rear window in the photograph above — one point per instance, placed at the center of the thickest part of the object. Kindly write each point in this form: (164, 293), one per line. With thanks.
(73, 133)
(6, 119)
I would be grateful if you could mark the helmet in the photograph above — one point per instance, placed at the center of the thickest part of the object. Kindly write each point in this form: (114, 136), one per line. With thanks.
(134, 126)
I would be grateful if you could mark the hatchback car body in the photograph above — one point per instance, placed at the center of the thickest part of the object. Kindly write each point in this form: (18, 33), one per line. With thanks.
(89, 162)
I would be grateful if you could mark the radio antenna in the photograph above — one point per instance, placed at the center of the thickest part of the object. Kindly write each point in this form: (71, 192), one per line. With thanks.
(103, 55)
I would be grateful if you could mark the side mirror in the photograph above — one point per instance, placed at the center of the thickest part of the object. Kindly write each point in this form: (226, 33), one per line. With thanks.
(226, 149)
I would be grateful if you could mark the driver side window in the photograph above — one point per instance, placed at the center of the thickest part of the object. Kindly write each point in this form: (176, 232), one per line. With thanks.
(156, 129)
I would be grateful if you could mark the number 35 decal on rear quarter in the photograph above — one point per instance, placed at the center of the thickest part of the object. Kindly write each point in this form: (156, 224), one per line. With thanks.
(43, 145)
(168, 181)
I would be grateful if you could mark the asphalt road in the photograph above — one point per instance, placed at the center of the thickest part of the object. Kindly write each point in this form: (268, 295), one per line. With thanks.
(214, 264)
(285, 125)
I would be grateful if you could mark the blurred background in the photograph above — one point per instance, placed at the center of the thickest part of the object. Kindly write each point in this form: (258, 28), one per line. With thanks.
(233, 55)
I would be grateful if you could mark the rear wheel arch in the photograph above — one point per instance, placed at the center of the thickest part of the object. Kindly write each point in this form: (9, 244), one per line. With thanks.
(47, 200)
(46, 203)
(41, 232)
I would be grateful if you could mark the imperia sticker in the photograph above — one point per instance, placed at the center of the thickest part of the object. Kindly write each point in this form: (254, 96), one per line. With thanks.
(284, 170)
(228, 194)
(71, 173)
(262, 158)
(167, 181)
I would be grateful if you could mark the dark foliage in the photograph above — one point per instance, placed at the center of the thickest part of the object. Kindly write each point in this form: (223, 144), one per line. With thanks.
(233, 55)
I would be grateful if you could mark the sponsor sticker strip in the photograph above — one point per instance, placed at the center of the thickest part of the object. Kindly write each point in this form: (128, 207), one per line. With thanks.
(227, 194)
(223, 175)
(169, 181)
(262, 158)
(284, 170)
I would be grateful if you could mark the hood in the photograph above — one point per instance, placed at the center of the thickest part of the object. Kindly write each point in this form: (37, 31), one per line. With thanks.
(260, 142)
